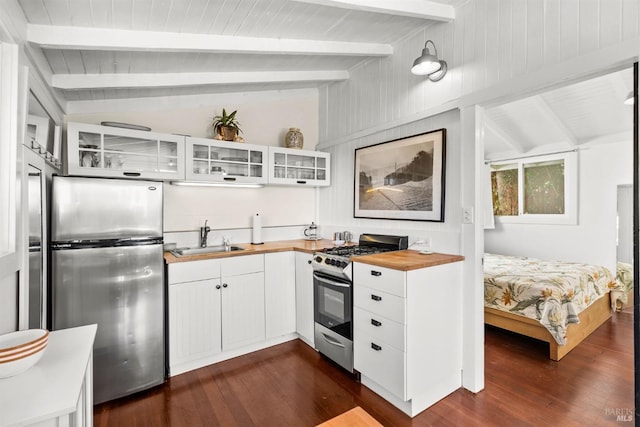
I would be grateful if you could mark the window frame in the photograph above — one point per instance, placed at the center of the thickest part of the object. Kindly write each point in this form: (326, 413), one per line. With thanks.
(570, 215)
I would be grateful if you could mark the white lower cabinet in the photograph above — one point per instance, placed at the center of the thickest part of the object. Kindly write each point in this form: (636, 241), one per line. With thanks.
(215, 307)
(242, 308)
(280, 293)
(408, 333)
(194, 325)
(304, 297)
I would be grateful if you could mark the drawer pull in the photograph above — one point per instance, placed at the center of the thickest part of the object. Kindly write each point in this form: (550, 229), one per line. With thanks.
(375, 322)
(376, 347)
(376, 297)
(376, 273)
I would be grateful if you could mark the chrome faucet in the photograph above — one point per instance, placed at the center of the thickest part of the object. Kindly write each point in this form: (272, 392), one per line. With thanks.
(204, 232)
(225, 242)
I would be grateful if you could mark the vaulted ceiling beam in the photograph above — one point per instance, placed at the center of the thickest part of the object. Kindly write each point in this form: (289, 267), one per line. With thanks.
(507, 139)
(86, 38)
(546, 110)
(414, 8)
(148, 80)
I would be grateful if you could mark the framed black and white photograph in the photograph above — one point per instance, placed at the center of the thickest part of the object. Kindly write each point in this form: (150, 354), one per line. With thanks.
(401, 179)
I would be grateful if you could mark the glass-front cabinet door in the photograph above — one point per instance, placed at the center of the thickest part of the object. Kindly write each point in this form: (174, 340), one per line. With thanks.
(289, 166)
(225, 161)
(119, 152)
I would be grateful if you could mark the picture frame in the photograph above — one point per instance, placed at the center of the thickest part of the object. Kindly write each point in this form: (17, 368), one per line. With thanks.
(402, 179)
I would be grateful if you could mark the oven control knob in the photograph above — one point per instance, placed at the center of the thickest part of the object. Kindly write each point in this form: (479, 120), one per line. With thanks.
(343, 264)
(332, 262)
(318, 259)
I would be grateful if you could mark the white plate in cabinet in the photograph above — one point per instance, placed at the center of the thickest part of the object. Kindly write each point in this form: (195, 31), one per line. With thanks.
(378, 302)
(117, 152)
(381, 278)
(225, 161)
(289, 166)
(378, 327)
(381, 362)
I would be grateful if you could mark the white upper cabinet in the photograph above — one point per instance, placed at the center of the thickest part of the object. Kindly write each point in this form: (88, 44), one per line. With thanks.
(119, 152)
(225, 161)
(289, 166)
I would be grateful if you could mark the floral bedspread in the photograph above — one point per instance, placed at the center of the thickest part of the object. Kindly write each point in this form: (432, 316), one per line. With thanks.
(624, 278)
(552, 292)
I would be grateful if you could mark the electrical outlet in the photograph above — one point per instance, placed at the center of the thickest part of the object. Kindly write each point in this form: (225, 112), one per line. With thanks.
(467, 215)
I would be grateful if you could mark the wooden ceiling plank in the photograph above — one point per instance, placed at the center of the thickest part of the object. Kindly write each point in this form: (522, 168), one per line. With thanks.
(504, 137)
(413, 8)
(546, 110)
(144, 80)
(76, 38)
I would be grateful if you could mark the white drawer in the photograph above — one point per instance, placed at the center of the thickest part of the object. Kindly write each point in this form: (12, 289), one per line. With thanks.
(381, 362)
(381, 278)
(378, 327)
(378, 302)
(244, 264)
(194, 270)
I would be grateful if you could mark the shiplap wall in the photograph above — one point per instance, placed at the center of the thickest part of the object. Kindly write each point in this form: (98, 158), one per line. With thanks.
(336, 202)
(489, 43)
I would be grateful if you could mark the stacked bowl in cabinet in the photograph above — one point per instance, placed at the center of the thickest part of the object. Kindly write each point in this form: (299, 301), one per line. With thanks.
(21, 350)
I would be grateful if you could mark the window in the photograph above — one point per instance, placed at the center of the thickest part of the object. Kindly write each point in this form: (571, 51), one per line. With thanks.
(540, 189)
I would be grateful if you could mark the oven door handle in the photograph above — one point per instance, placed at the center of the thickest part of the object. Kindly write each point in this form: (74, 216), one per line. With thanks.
(331, 282)
(331, 340)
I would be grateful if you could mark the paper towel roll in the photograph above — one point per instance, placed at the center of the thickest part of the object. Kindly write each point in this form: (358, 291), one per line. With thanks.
(257, 230)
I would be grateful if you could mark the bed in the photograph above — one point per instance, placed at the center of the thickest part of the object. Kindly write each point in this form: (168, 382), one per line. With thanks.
(557, 302)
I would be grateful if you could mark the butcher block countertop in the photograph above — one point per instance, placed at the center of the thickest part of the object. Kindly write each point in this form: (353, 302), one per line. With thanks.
(407, 260)
(398, 260)
(300, 245)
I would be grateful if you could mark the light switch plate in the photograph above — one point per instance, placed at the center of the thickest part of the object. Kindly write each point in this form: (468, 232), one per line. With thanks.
(467, 215)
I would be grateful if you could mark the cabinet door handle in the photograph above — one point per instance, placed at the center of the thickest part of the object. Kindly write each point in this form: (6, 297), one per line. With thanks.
(376, 297)
(131, 173)
(309, 262)
(217, 286)
(376, 273)
(375, 346)
(301, 182)
(224, 285)
(228, 179)
(375, 322)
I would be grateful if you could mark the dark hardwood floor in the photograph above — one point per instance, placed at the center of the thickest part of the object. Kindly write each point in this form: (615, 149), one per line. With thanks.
(292, 385)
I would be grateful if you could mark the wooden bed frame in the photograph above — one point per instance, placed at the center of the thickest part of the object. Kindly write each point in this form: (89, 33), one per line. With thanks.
(590, 319)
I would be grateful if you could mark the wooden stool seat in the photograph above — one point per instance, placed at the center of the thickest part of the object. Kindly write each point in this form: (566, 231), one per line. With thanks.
(356, 417)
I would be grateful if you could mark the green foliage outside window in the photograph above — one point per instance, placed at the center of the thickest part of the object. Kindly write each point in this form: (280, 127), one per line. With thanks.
(504, 190)
(543, 191)
(544, 188)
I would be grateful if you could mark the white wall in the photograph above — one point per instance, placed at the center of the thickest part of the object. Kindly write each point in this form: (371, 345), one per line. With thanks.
(336, 202)
(493, 48)
(497, 51)
(265, 118)
(593, 240)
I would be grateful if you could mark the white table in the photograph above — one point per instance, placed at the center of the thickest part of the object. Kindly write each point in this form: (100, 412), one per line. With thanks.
(58, 390)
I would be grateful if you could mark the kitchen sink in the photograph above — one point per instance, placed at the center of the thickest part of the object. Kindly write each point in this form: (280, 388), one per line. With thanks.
(206, 250)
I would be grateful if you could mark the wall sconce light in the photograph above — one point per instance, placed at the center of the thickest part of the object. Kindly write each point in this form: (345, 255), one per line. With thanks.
(429, 65)
(629, 100)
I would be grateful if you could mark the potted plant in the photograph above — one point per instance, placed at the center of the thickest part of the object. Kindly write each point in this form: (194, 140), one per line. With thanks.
(226, 126)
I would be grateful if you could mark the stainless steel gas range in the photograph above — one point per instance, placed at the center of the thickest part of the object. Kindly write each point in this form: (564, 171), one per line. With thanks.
(333, 294)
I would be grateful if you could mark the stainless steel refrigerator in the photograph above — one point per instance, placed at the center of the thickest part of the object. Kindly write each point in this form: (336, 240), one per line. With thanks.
(107, 268)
